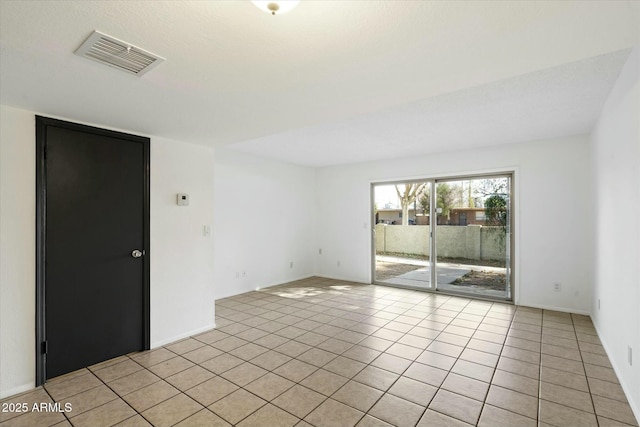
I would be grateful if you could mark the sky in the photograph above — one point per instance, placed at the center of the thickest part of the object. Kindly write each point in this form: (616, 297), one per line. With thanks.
(386, 194)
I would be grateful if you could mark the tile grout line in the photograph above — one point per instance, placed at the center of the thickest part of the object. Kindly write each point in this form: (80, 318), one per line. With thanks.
(593, 404)
(318, 368)
(413, 361)
(448, 372)
(484, 402)
(365, 413)
(539, 397)
(442, 331)
(400, 375)
(120, 397)
(503, 347)
(67, 418)
(395, 304)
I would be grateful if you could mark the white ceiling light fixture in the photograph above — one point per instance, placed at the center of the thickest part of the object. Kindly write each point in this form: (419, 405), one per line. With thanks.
(279, 7)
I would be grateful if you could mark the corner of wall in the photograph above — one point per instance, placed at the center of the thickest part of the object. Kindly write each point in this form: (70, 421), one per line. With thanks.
(264, 222)
(615, 162)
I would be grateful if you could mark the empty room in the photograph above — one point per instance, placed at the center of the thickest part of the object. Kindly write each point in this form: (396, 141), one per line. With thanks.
(319, 213)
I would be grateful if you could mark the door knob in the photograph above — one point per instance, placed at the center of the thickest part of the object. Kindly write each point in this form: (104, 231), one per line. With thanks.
(136, 253)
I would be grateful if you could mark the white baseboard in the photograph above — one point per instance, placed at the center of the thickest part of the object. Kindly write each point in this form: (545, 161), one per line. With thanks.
(562, 309)
(346, 279)
(160, 343)
(31, 386)
(265, 285)
(280, 282)
(17, 390)
(634, 407)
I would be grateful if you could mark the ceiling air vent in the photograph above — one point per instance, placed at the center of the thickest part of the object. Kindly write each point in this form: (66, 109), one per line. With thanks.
(118, 54)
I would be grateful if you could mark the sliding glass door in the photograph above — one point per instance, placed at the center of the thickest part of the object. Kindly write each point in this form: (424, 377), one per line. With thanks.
(450, 235)
(473, 236)
(402, 234)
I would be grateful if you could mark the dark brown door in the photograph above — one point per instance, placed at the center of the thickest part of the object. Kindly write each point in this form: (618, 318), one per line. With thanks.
(94, 245)
(463, 218)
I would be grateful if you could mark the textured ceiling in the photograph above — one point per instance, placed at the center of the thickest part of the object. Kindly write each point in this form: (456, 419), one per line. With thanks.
(564, 100)
(331, 81)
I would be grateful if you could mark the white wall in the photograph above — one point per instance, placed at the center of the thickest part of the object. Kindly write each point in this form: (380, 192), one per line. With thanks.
(17, 250)
(616, 182)
(181, 267)
(552, 213)
(182, 293)
(264, 220)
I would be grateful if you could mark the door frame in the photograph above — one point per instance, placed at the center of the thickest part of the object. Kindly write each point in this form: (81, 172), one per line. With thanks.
(511, 172)
(41, 228)
(510, 252)
(372, 196)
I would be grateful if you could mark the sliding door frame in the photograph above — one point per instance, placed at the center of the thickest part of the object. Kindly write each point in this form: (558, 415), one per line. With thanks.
(431, 182)
(433, 259)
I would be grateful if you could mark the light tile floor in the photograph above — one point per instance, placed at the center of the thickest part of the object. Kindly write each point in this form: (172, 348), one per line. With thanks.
(324, 352)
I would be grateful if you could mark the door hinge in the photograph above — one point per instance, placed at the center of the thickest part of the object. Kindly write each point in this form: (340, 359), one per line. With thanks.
(44, 347)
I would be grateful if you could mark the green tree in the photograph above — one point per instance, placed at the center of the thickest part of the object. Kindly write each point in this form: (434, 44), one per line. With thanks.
(496, 213)
(445, 199)
(495, 210)
(425, 202)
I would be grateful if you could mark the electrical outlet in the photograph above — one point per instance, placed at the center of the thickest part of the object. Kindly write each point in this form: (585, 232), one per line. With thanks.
(319, 251)
(557, 287)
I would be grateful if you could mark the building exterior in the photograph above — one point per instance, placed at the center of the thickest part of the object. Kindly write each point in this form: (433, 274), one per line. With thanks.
(457, 216)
